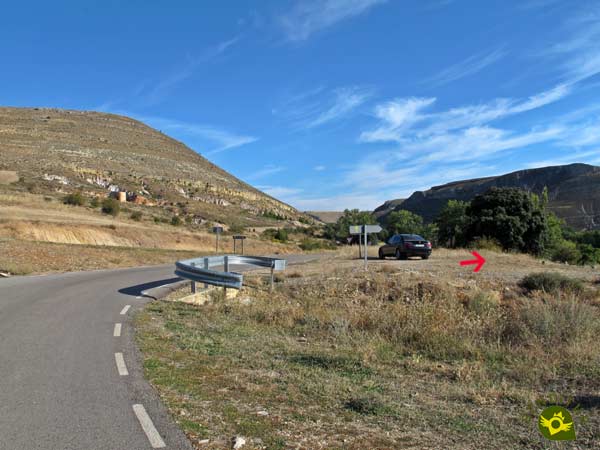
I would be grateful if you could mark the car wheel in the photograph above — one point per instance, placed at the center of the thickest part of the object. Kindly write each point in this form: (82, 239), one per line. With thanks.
(400, 255)
(381, 255)
(425, 256)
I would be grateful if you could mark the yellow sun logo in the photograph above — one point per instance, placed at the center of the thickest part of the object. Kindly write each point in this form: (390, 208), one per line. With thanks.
(556, 424)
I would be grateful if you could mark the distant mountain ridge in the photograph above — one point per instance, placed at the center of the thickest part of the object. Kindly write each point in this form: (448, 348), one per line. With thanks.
(59, 150)
(573, 191)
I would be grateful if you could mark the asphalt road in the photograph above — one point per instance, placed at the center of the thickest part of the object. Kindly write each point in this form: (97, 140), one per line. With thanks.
(60, 385)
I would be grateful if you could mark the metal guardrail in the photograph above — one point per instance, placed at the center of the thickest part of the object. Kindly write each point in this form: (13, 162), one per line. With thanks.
(200, 270)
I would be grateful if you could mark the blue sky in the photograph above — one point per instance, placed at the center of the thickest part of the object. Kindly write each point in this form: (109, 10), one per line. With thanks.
(326, 104)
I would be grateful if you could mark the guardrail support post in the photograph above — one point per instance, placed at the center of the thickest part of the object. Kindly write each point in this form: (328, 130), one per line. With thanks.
(225, 269)
(272, 277)
(205, 268)
(193, 287)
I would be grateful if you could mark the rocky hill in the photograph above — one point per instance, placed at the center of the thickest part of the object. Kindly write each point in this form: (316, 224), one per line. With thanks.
(574, 193)
(387, 207)
(54, 150)
(325, 216)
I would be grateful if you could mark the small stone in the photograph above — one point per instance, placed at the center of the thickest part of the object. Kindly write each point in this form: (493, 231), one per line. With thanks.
(302, 339)
(238, 442)
(204, 441)
(262, 413)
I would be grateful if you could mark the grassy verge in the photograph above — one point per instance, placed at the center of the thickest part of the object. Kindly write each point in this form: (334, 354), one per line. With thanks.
(339, 358)
(26, 257)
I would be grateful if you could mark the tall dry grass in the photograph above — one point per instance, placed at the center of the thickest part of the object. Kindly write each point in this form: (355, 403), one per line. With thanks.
(525, 338)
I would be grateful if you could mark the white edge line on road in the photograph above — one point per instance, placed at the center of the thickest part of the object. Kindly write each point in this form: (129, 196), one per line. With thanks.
(148, 427)
(125, 309)
(121, 367)
(117, 332)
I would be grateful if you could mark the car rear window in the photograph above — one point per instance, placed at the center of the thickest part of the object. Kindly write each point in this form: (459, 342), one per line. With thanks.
(413, 237)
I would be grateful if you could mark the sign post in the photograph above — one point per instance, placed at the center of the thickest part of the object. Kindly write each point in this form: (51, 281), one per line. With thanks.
(241, 238)
(363, 231)
(366, 249)
(357, 230)
(217, 231)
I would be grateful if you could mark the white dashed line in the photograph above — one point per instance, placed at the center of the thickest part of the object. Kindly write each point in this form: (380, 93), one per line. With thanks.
(121, 367)
(148, 427)
(124, 310)
(117, 332)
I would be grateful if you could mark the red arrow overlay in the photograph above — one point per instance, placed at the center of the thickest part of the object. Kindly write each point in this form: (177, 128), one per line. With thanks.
(479, 260)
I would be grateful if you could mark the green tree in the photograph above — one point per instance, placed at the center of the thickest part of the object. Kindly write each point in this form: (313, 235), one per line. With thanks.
(565, 252)
(111, 206)
(75, 199)
(430, 232)
(555, 229)
(281, 235)
(403, 222)
(452, 224)
(176, 221)
(512, 217)
(340, 230)
(589, 254)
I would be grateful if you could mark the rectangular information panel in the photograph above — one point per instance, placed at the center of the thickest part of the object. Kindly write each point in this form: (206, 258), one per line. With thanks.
(373, 228)
(355, 229)
(364, 230)
(360, 229)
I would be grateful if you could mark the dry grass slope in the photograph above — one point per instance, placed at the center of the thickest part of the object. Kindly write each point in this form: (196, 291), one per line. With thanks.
(54, 149)
(411, 354)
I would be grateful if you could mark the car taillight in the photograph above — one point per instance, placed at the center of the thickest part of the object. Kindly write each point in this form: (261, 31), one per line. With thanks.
(409, 244)
(428, 244)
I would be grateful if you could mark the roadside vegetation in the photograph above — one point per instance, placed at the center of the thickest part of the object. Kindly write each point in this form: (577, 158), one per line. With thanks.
(397, 357)
(506, 219)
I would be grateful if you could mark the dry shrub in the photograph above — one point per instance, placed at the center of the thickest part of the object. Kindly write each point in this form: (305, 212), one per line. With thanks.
(434, 319)
(551, 282)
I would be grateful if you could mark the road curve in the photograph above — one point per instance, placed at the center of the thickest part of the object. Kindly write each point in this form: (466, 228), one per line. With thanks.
(63, 385)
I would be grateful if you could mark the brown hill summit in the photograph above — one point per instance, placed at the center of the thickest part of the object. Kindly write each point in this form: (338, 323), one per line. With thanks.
(61, 150)
(574, 193)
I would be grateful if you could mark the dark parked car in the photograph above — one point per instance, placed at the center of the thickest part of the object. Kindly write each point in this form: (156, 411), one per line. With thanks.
(404, 245)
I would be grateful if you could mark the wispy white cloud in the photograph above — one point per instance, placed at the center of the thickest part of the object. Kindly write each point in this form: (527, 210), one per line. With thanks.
(578, 55)
(541, 4)
(319, 168)
(478, 143)
(396, 116)
(307, 201)
(433, 147)
(345, 101)
(154, 94)
(467, 67)
(269, 169)
(406, 119)
(221, 138)
(308, 17)
(282, 193)
(317, 107)
(591, 157)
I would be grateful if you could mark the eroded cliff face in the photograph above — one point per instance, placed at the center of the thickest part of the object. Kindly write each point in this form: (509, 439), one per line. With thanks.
(573, 190)
(90, 151)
